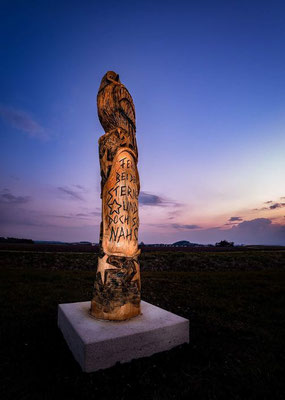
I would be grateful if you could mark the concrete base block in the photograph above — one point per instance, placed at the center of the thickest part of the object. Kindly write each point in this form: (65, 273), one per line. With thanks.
(98, 344)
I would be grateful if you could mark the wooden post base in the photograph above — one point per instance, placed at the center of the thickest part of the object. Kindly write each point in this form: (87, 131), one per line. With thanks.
(122, 313)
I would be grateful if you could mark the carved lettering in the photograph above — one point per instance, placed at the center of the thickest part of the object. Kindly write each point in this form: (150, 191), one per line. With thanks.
(114, 234)
(122, 234)
(123, 190)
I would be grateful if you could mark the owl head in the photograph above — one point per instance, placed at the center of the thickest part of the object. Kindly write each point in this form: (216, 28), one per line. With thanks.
(109, 77)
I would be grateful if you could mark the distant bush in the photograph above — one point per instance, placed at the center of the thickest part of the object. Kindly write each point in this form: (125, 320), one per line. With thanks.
(224, 243)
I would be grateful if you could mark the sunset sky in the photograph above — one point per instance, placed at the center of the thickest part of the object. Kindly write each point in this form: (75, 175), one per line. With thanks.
(208, 82)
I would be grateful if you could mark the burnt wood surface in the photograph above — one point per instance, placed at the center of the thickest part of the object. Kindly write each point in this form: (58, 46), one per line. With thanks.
(117, 284)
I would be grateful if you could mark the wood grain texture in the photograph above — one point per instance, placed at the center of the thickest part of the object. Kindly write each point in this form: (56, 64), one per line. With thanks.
(117, 284)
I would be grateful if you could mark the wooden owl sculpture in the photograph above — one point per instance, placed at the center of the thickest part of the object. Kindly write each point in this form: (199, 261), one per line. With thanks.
(115, 104)
(117, 285)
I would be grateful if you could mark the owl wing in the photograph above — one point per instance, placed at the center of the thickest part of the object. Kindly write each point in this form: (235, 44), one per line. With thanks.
(126, 106)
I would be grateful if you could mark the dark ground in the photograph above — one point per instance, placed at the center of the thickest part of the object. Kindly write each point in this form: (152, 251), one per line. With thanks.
(235, 302)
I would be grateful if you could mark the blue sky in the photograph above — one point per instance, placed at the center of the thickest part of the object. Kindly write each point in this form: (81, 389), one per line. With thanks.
(208, 82)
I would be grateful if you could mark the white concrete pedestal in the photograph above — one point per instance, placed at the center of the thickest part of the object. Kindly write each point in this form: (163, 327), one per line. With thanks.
(98, 344)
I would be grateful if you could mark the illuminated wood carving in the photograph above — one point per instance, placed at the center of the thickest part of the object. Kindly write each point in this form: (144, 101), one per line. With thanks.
(117, 284)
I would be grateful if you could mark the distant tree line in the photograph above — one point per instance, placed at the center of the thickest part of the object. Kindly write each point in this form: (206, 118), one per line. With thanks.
(15, 240)
(186, 243)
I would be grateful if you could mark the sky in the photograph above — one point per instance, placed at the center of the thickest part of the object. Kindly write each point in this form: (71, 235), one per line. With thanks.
(208, 83)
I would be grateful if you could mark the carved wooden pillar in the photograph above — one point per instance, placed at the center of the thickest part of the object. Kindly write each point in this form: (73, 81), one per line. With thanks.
(117, 284)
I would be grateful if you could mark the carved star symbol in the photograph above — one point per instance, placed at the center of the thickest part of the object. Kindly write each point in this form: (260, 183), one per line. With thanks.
(102, 267)
(114, 207)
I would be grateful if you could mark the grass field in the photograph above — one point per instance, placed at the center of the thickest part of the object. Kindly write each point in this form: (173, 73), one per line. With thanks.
(235, 303)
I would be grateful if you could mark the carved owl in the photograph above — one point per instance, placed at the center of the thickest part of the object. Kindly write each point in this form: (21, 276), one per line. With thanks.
(115, 104)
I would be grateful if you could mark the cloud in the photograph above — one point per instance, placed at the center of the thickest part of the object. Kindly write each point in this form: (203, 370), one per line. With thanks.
(185, 227)
(272, 206)
(90, 214)
(13, 211)
(257, 223)
(233, 219)
(74, 194)
(276, 205)
(171, 227)
(82, 215)
(79, 187)
(96, 213)
(175, 213)
(258, 231)
(16, 211)
(75, 216)
(148, 199)
(6, 197)
(18, 216)
(22, 121)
